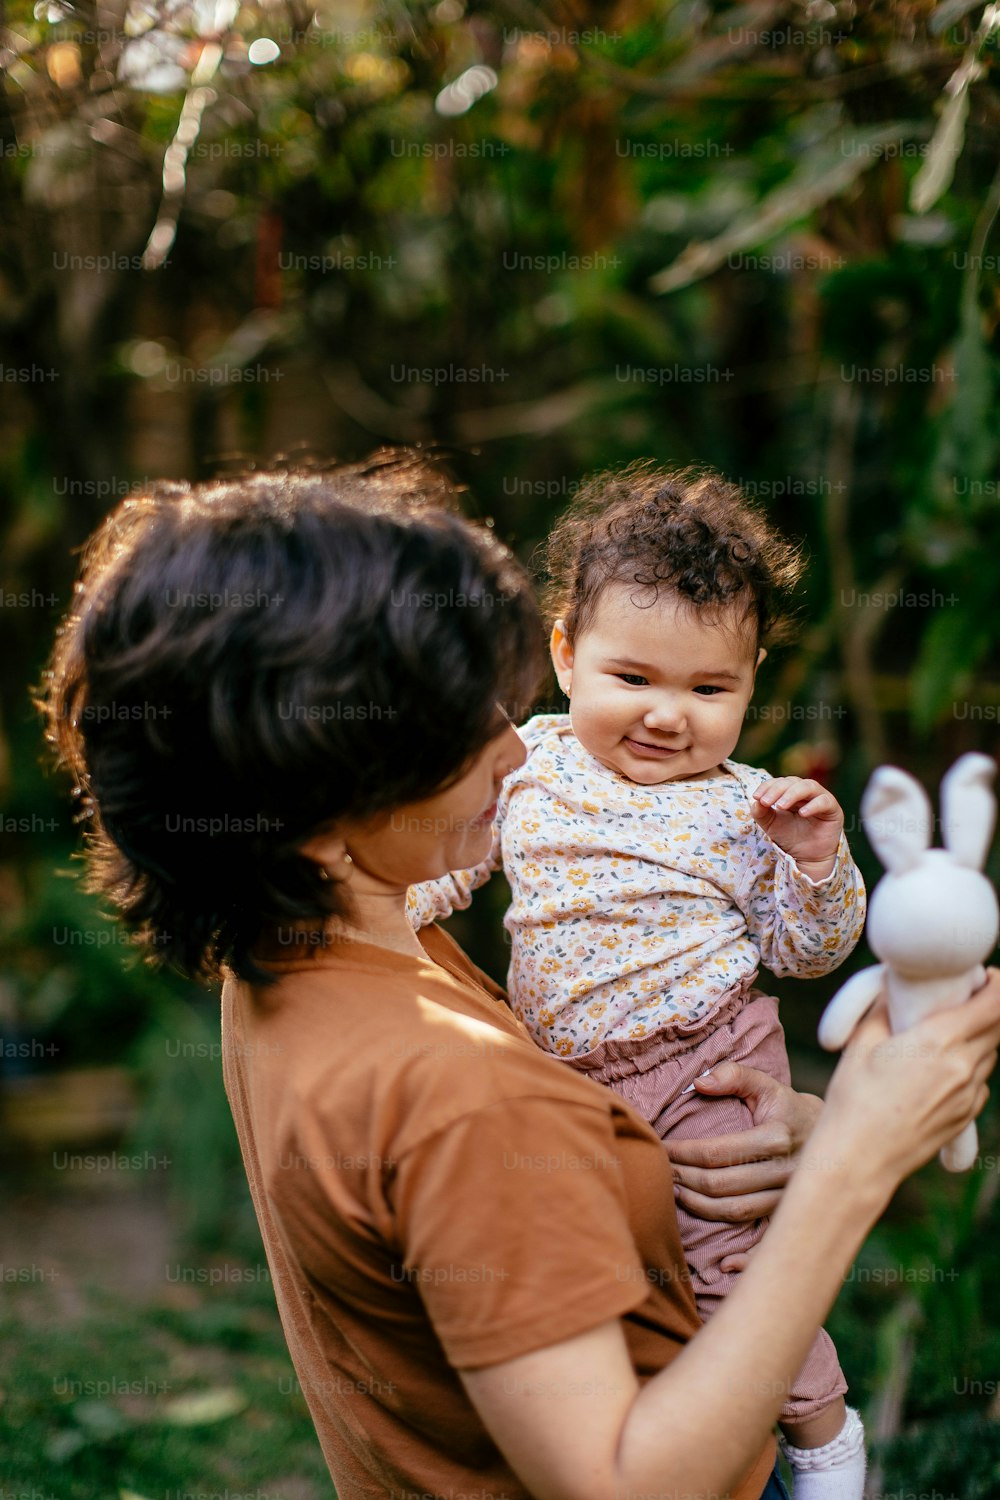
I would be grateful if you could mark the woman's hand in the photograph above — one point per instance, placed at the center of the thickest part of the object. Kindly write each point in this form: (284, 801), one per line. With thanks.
(926, 1083)
(741, 1177)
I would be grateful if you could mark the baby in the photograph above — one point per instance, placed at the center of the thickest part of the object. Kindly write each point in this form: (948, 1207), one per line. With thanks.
(650, 874)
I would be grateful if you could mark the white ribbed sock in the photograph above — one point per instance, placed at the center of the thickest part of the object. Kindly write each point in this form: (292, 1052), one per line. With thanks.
(834, 1472)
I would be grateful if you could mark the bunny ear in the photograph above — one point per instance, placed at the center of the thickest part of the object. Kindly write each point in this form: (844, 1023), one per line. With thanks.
(898, 818)
(969, 809)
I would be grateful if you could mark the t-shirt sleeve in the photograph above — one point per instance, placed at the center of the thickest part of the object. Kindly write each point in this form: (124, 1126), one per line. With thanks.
(513, 1224)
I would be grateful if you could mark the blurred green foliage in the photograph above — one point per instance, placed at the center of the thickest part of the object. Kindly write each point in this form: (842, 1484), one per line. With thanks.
(757, 236)
(137, 1402)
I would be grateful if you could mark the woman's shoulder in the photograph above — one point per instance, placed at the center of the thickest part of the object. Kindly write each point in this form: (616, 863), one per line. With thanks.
(416, 1044)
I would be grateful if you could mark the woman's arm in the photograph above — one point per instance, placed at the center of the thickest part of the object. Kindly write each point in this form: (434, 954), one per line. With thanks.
(572, 1420)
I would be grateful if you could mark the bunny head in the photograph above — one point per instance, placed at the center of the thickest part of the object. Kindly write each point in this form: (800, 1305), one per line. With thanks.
(933, 914)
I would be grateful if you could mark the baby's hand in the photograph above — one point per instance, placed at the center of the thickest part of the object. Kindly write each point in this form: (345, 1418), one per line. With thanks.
(802, 818)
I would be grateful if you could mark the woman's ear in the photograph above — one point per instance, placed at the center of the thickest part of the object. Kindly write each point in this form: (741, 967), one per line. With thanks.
(561, 651)
(761, 654)
(329, 851)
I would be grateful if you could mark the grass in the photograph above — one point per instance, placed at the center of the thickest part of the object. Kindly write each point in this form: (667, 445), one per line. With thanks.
(131, 1400)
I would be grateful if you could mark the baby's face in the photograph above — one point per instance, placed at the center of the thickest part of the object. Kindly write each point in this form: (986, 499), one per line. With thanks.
(657, 693)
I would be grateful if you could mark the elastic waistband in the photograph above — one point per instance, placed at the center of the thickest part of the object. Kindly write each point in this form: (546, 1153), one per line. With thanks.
(618, 1059)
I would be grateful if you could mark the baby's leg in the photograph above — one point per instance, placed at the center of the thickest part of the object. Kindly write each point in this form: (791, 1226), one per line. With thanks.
(824, 1439)
(678, 1112)
(827, 1467)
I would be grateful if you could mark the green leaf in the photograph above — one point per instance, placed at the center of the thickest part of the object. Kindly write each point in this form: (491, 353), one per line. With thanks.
(203, 1407)
(948, 12)
(935, 176)
(99, 1419)
(824, 173)
(65, 1445)
(938, 167)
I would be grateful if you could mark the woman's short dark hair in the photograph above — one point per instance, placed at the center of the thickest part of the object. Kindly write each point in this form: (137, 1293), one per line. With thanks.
(688, 532)
(252, 658)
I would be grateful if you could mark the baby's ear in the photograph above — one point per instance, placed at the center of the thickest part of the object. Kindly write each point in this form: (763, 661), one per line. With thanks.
(969, 809)
(561, 652)
(898, 818)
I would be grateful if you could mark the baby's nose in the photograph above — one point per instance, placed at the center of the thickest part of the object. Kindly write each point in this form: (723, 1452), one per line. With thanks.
(666, 714)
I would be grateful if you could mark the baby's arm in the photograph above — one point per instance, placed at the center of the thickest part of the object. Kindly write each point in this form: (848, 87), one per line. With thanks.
(801, 892)
(433, 900)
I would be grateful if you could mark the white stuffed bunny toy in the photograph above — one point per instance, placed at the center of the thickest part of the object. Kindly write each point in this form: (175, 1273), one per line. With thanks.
(932, 918)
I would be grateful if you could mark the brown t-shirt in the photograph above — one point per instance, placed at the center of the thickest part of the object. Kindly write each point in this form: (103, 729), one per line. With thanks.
(437, 1194)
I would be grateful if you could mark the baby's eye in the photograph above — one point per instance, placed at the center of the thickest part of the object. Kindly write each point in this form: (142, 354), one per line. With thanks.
(632, 678)
(709, 690)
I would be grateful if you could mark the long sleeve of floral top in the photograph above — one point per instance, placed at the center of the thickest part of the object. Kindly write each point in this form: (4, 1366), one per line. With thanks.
(637, 907)
(799, 926)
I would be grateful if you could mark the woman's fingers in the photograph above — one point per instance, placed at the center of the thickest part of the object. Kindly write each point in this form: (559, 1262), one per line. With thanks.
(872, 1029)
(732, 1265)
(739, 1210)
(764, 1095)
(935, 1074)
(731, 1182)
(761, 1144)
(736, 1079)
(962, 1038)
(740, 1176)
(769, 1101)
(984, 1067)
(922, 1086)
(979, 1016)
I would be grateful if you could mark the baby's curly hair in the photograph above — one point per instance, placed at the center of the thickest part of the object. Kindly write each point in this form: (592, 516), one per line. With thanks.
(685, 531)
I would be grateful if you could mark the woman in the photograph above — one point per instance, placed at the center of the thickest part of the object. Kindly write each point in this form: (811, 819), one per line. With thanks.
(284, 699)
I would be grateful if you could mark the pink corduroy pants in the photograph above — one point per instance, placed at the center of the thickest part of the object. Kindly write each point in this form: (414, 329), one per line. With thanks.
(651, 1074)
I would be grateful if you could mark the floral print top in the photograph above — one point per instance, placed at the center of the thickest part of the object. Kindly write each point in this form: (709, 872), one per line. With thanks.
(637, 907)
